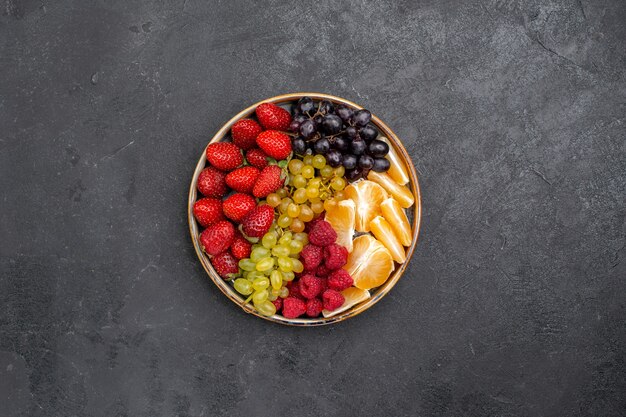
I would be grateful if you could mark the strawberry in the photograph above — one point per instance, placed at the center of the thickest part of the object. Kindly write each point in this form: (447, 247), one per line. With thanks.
(274, 143)
(240, 248)
(208, 211)
(225, 265)
(212, 183)
(270, 179)
(256, 158)
(237, 206)
(224, 156)
(218, 237)
(258, 221)
(242, 179)
(244, 133)
(273, 117)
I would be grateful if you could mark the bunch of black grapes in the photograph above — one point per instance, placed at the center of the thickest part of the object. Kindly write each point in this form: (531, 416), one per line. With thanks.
(344, 136)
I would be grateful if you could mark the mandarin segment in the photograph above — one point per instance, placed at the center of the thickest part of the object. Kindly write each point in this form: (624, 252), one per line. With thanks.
(369, 263)
(341, 218)
(385, 234)
(399, 192)
(397, 170)
(367, 197)
(393, 213)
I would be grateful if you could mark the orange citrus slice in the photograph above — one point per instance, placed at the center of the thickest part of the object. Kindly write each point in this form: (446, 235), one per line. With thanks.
(341, 218)
(397, 170)
(385, 234)
(353, 296)
(399, 192)
(369, 263)
(393, 213)
(367, 196)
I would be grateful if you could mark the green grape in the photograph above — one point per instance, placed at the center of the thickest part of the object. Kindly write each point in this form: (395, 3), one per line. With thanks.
(259, 296)
(327, 171)
(285, 264)
(297, 225)
(340, 171)
(301, 237)
(296, 265)
(293, 210)
(288, 276)
(274, 291)
(272, 296)
(247, 264)
(338, 183)
(282, 192)
(244, 274)
(273, 199)
(306, 214)
(285, 238)
(308, 171)
(299, 196)
(307, 160)
(312, 192)
(265, 264)
(280, 251)
(315, 182)
(318, 161)
(259, 253)
(295, 246)
(261, 283)
(266, 308)
(299, 181)
(324, 195)
(284, 204)
(254, 275)
(269, 240)
(317, 207)
(284, 292)
(295, 166)
(284, 220)
(243, 286)
(276, 279)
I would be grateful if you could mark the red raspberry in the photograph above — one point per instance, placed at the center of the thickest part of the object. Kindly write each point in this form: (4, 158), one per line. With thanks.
(322, 271)
(324, 285)
(332, 300)
(294, 290)
(310, 286)
(314, 307)
(311, 257)
(322, 234)
(240, 247)
(294, 307)
(309, 225)
(339, 280)
(335, 256)
(278, 303)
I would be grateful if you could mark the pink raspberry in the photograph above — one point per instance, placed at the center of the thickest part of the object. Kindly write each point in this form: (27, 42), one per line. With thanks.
(322, 234)
(313, 222)
(335, 256)
(324, 285)
(322, 271)
(278, 303)
(314, 307)
(310, 286)
(294, 290)
(332, 300)
(311, 257)
(293, 307)
(339, 280)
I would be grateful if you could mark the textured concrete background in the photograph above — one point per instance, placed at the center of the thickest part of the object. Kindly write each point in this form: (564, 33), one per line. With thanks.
(514, 113)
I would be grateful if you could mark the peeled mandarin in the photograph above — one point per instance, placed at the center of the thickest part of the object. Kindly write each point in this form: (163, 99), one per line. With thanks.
(341, 218)
(384, 233)
(367, 196)
(393, 213)
(353, 296)
(370, 263)
(397, 191)
(397, 170)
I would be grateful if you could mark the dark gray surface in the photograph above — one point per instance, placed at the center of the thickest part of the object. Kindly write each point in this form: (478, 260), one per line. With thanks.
(513, 305)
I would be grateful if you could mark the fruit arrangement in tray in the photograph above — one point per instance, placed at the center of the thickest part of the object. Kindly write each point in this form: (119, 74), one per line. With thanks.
(303, 208)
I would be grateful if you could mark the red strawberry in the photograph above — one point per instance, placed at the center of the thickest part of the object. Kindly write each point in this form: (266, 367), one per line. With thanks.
(258, 221)
(237, 206)
(256, 158)
(225, 264)
(272, 116)
(211, 183)
(208, 211)
(225, 156)
(269, 180)
(240, 248)
(242, 179)
(244, 133)
(274, 143)
(218, 237)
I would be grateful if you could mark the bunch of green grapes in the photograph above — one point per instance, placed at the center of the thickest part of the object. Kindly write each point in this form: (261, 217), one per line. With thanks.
(273, 262)
(312, 182)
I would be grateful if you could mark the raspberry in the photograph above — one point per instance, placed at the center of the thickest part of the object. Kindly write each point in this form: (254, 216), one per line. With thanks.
(313, 222)
(322, 271)
(278, 303)
(294, 290)
(310, 286)
(322, 234)
(324, 285)
(335, 256)
(294, 307)
(311, 257)
(339, 280)
(314, 307)
(332, 300)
